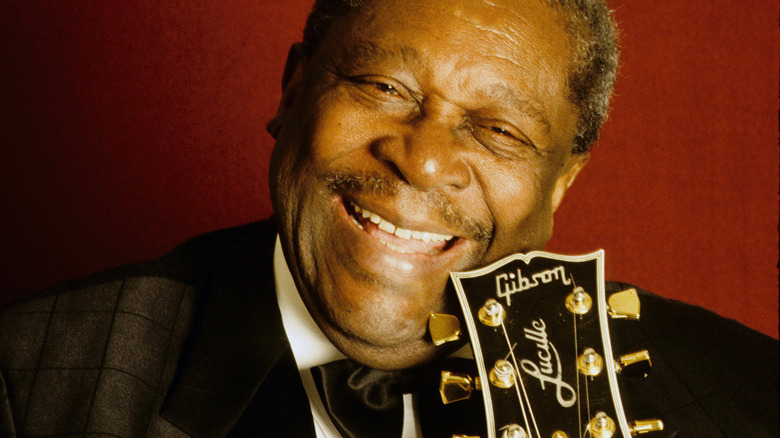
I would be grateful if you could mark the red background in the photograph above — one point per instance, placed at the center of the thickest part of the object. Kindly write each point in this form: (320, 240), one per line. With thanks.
(127, 127)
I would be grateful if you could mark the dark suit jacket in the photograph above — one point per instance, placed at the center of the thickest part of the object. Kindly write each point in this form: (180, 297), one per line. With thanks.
(193, 345)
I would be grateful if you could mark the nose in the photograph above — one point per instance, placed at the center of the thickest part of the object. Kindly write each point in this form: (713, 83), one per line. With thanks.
(426, 154)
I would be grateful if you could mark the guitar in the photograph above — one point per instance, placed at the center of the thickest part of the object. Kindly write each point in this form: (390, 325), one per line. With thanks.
(539, 331)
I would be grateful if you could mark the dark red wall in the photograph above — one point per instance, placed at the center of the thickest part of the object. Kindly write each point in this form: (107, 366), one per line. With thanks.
(127, 127)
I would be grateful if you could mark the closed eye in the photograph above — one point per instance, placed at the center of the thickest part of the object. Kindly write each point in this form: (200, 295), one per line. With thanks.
(501, 131)
(381, 85)
(500, 138)
(386, 88)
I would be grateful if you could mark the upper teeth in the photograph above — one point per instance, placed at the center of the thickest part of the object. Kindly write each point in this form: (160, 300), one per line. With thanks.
(403, 233)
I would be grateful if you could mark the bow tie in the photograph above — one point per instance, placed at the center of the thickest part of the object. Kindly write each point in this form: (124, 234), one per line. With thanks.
(365, 402)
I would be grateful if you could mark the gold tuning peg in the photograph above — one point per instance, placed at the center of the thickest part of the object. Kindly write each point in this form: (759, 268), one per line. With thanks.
(443, 328)
(624, 304)
(644, 426)
(457, 387)
(634, 364)
(601, 426)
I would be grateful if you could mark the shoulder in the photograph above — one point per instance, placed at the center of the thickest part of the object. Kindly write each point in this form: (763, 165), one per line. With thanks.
(709, 372)
(154, 291)
(124, 328)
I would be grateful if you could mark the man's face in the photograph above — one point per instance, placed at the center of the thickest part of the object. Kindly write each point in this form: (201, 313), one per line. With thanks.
(421, 137)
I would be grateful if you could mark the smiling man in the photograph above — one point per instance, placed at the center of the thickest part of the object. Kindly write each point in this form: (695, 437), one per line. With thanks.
(413, 139)
(406, 151)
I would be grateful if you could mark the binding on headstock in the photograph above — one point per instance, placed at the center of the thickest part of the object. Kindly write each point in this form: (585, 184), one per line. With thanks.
(538, 325)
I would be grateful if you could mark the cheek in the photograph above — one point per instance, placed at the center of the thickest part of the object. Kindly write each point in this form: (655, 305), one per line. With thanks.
(519, 200)
(340, 128)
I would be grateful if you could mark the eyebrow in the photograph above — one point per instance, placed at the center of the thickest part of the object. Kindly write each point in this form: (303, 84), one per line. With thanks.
(367, 52)
(522, 104)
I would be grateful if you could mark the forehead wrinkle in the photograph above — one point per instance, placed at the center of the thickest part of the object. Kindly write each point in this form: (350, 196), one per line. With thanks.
(370, 51)
(500, 93)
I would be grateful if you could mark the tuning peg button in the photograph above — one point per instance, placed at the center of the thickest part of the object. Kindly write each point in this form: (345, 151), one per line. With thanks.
(634, 364)
(443, 328)
(624, 304)
(456, 387)
(644, 426)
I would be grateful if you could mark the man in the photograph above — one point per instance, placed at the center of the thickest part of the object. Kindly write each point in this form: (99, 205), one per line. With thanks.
(413, 139)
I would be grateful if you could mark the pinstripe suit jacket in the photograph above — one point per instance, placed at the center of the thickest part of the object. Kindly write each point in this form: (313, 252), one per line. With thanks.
(193, 345)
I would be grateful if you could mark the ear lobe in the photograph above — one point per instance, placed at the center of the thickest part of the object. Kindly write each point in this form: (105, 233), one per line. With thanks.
(292, 78)
(572, 168)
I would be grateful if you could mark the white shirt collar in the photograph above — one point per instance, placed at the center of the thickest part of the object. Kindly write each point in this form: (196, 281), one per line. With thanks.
(309, 345)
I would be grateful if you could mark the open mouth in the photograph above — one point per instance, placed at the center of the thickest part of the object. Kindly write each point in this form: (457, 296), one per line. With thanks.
(400, 240)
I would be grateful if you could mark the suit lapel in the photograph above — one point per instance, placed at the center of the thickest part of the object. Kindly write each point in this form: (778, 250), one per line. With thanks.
(237, 338)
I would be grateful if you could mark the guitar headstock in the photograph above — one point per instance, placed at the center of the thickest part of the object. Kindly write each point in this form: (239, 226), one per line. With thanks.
(538, 325)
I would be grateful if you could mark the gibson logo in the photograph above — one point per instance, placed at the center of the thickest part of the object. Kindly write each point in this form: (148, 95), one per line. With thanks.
(511, 283)
(544, 371)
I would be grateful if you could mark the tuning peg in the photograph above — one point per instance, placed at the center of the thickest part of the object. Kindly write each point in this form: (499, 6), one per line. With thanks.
(491, 313)
(590, 363)
(513, 431)
(443, 328)
(578, 301)
(502, 375)
(601, 426)
(456, 387)
(634, 364)
(644, 426)
(624, 304)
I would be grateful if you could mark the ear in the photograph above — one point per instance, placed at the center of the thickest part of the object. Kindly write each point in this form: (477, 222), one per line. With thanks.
(571, 169)
(292, 78)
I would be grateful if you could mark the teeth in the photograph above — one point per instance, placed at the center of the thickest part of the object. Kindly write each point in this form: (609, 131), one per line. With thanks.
(355, 221)
(403, 233)
(394, 247)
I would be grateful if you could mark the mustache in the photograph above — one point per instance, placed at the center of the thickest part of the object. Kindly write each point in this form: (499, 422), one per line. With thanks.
(355, 182)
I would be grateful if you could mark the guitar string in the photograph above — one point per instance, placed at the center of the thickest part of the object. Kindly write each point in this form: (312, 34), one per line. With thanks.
(522, 406)
(521, 386)
(577, 374)
(587, 396)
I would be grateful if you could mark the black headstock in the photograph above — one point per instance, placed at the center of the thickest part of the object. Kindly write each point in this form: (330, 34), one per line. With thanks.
(539, 329)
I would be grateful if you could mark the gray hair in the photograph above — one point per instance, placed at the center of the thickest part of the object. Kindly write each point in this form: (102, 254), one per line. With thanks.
(592, 72)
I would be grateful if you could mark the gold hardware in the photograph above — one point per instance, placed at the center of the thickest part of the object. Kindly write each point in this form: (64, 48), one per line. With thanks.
(443, 328)
(644, 426)
(579, 302)
(634, 364)
(559, 434)
(502, 374)
(464, 436)
(456, 387)
(624, 304)
(601, 426)
(590, 363)
(492, 313)
(513, 431)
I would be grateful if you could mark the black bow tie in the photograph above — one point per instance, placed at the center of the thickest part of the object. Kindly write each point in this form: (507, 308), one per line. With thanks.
(365, 402)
